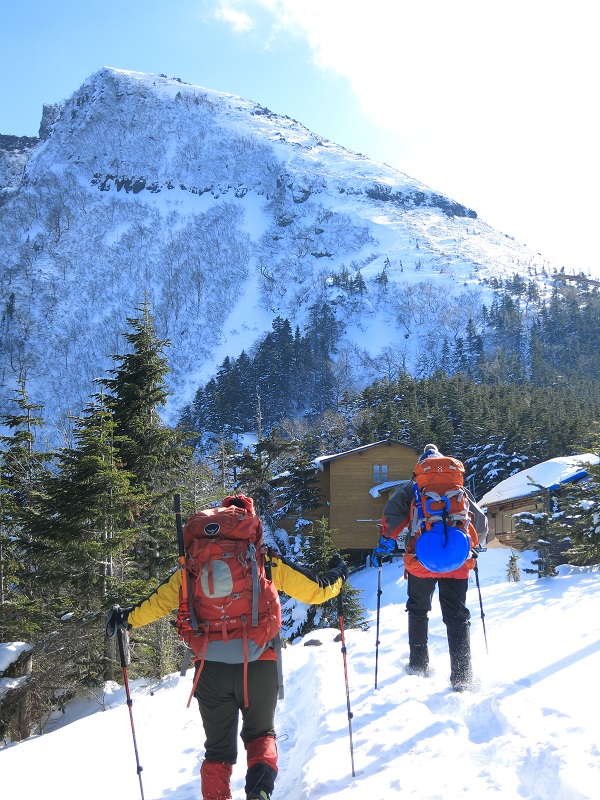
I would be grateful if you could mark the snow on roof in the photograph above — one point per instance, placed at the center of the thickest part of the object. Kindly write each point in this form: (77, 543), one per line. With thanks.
(322, 459)
(377, 491)
(549, 474)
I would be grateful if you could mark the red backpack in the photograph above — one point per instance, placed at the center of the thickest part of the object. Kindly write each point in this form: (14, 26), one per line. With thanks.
(443, 531)
(232, 609)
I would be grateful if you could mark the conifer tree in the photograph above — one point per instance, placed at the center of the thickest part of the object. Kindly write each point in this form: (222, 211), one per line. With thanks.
(257, 465)
(314, 550)
(579, 522)
(135, 394)
(513, 573)
(299, 494)
(84, 518)
(154, 454)
(23, 468)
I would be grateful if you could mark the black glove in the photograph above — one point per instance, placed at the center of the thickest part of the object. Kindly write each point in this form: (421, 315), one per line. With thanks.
(337, 564)
(117, 620)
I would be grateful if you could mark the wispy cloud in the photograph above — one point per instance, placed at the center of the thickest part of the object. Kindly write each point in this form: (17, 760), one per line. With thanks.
(486, 100)
(228, 12)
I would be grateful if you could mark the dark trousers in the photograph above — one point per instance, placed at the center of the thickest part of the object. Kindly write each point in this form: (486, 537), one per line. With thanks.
(452, 595)
(220, 695)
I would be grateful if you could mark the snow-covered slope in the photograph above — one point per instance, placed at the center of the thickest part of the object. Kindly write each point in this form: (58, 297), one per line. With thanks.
(530, 733)
(223, 215)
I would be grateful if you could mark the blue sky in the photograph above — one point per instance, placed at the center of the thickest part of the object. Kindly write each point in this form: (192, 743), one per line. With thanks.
(493, 104)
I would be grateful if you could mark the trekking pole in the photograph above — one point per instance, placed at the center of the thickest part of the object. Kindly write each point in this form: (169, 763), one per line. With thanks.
(481, 605)
(129, 704)
(341, 619)
(378, 612)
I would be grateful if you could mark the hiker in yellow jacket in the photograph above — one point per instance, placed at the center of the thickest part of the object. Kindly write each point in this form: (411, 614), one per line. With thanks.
(224, 690)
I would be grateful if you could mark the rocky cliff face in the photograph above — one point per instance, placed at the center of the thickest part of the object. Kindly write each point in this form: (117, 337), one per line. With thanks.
(14, 154)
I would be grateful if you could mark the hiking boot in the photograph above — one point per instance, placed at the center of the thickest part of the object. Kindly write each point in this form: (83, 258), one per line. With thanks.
(421, 671)
(461, 686)
(418, 662)
(262, 795)
(470, 685)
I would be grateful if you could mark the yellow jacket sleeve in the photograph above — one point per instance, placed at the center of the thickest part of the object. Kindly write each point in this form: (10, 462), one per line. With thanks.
(163, 600)
(303, 584)
(294, 580)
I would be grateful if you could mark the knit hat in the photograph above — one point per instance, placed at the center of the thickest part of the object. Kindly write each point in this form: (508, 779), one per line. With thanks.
(430, 451)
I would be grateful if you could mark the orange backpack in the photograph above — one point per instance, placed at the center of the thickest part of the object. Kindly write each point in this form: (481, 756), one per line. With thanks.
(232, 610)
(442, 527)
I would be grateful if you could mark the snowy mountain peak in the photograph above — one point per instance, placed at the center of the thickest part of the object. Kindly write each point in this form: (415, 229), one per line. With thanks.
(225, 215)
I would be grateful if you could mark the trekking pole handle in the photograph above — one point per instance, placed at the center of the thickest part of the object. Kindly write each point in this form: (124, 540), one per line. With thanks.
(122, 655)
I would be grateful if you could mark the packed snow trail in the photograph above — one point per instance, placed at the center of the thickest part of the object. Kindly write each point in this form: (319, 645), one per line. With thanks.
(529, 733)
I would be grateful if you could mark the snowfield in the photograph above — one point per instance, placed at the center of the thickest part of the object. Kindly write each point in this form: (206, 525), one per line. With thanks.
(530, 733)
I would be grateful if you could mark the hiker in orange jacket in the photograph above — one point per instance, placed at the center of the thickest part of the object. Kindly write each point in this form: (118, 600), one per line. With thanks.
(221, 687)
(452, 586)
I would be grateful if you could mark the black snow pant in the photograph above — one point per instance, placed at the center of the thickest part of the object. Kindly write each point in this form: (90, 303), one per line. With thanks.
(220, 695)
(452, 594)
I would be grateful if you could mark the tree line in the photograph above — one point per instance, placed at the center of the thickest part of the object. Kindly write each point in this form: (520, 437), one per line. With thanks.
(91, 524)
(515, 389)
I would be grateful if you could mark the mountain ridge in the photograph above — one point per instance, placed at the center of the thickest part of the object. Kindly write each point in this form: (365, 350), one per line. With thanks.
(145, 186)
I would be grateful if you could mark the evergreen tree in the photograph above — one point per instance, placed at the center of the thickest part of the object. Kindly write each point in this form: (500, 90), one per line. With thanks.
(579, 522)
(322, 335)
(314, 550)
(151, 452)
(136, 392)
(257, 465)
(544, 530)
(474, 352)
(273, 367)
(22, 471)
(513, 573)
(84, 517)
(300, 493)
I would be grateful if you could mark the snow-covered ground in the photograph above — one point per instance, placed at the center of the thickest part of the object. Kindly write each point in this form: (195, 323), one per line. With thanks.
(530, 733)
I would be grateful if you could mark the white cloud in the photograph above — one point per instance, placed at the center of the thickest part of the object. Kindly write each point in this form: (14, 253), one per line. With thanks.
(239, 20)
(492, 103)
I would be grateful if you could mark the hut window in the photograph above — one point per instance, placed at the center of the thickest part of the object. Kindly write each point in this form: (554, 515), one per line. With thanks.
(380, 473)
